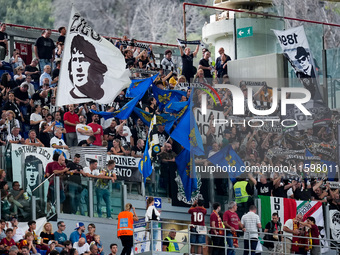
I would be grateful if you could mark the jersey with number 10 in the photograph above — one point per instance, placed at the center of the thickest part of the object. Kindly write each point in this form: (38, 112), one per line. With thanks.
(197, 215)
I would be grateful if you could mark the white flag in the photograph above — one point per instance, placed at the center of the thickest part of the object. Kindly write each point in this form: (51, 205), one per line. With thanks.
(296, 49)
(92, 68)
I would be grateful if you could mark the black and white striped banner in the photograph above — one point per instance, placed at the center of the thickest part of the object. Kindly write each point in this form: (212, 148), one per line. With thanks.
(136, 44)
(183, 43)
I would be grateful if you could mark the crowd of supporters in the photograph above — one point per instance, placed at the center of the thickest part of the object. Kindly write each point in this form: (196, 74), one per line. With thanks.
(30, 116)
(25, 240)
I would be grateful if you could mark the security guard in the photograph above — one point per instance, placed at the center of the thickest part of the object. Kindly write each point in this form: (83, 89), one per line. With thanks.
(243, 192)
(125, 228)
(170, 243)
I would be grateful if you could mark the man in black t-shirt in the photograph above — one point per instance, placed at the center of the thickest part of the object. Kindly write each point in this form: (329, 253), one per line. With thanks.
(205, 66)
(162, 136)
(263, 187)
(274, 227)
(187, 62)
(62, 31)
(281, 186)
(110, 134)
(222, 63)
(3, 42)
(304, 191)
(74, 183)
(138, 150)
(139, 132)
(44, 49)
(129, 59)
(34, 72)
(21, 94)
(43, 96)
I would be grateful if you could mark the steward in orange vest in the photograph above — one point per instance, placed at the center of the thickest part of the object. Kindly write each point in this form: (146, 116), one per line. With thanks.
(125, 227)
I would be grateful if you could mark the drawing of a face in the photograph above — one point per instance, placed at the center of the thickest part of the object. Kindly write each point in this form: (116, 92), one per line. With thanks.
(80, 68)
(86, 70)
(32, 173)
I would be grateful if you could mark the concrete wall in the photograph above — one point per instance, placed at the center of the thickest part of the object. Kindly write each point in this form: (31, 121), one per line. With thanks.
(269, 68)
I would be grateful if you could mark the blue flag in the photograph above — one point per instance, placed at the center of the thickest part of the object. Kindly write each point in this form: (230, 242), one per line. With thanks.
(138, 87)
(174, 106)
(186, 170)
(122, 113)
(178, 117)
(187, 134)
(105, 115)
(127, 109)
(145, 164)
(327, 167)
(229, 162)
(146, 117)
(163, 97)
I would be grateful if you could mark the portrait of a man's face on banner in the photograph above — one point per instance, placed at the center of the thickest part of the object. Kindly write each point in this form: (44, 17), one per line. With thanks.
(296, 49)
(335, 224)
(33, 173)
(92, 68)
(86, 70)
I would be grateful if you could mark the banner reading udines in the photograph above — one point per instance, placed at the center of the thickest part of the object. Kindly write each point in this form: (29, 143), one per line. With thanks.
(126, 168)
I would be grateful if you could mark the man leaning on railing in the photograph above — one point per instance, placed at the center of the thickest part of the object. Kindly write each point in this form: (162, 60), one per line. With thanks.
(251, 223)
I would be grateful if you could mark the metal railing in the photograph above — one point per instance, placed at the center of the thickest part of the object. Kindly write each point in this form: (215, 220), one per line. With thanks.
(50, 207)
(283, 241)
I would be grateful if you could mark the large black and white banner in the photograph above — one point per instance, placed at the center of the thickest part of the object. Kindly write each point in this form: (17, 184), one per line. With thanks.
(334, 216)
(296, 49)
(92, 68)
(29, 164)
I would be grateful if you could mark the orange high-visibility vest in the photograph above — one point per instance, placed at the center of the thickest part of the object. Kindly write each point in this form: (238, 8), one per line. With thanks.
(125, 224)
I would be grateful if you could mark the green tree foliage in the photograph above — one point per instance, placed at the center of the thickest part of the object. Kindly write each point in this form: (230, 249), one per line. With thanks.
(37, 13)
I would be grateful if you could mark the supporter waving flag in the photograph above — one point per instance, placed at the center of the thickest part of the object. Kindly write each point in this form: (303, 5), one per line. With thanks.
(92, 68)
(145, 164)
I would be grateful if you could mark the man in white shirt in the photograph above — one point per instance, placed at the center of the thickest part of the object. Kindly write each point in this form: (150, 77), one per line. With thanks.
(57, 142)
(288, 231)
(30, 90)
(93, 172)
(18, 233)
(83, 131)
(16, 60)
(250, 225)
(15, 137)
(81, 246)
